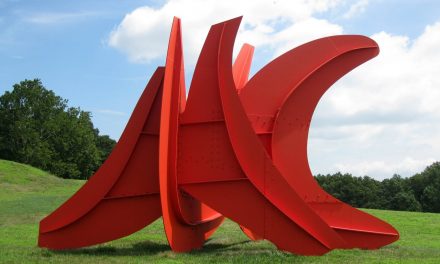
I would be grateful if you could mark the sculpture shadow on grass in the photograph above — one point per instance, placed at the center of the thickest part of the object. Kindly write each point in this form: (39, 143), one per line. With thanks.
(144, 248)
(147, 248)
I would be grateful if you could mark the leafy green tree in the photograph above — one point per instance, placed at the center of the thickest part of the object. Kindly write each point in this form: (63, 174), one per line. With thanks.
(22, 114)
(404, 201)
(397, 190)
(431, 199)
(356, 191)
(426, 186)
(38, 128)
(391, 187)
(105, 145)
(418, 184)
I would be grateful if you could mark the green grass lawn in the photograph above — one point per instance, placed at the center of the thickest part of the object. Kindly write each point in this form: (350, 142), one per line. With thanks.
(28, 194)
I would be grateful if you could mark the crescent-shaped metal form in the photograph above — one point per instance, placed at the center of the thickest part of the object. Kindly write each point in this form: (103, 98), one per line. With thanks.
(126, 182)
(234, 148)
(287, 124)
(290, 132)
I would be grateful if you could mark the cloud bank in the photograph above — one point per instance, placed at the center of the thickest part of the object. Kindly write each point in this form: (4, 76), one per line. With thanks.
(383, 117)
(143, 33)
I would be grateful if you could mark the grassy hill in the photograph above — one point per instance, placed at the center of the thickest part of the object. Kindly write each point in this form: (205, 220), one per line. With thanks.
(28, 194)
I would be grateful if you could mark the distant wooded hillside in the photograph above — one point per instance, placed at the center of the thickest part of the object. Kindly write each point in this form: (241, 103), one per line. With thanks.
(420, 192)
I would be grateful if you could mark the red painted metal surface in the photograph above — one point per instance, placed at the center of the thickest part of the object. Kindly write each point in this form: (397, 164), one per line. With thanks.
(236, 148)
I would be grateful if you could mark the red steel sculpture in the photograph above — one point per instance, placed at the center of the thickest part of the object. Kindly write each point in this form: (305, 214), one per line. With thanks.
(236, 148)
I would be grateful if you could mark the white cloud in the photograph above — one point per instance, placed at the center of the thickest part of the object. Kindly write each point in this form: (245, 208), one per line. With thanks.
(405, 166)
(356, 9)
(301, 32)
(143, 34)
(395, 99)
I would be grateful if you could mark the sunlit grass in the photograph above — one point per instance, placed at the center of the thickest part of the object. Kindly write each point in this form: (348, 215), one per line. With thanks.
(28, 194)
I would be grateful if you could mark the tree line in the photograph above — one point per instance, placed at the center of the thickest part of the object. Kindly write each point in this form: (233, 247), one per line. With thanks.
(38, 128)
(420, 192)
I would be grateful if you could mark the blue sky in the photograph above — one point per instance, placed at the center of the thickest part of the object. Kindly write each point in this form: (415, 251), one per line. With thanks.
(64, 43)
(100, 54)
